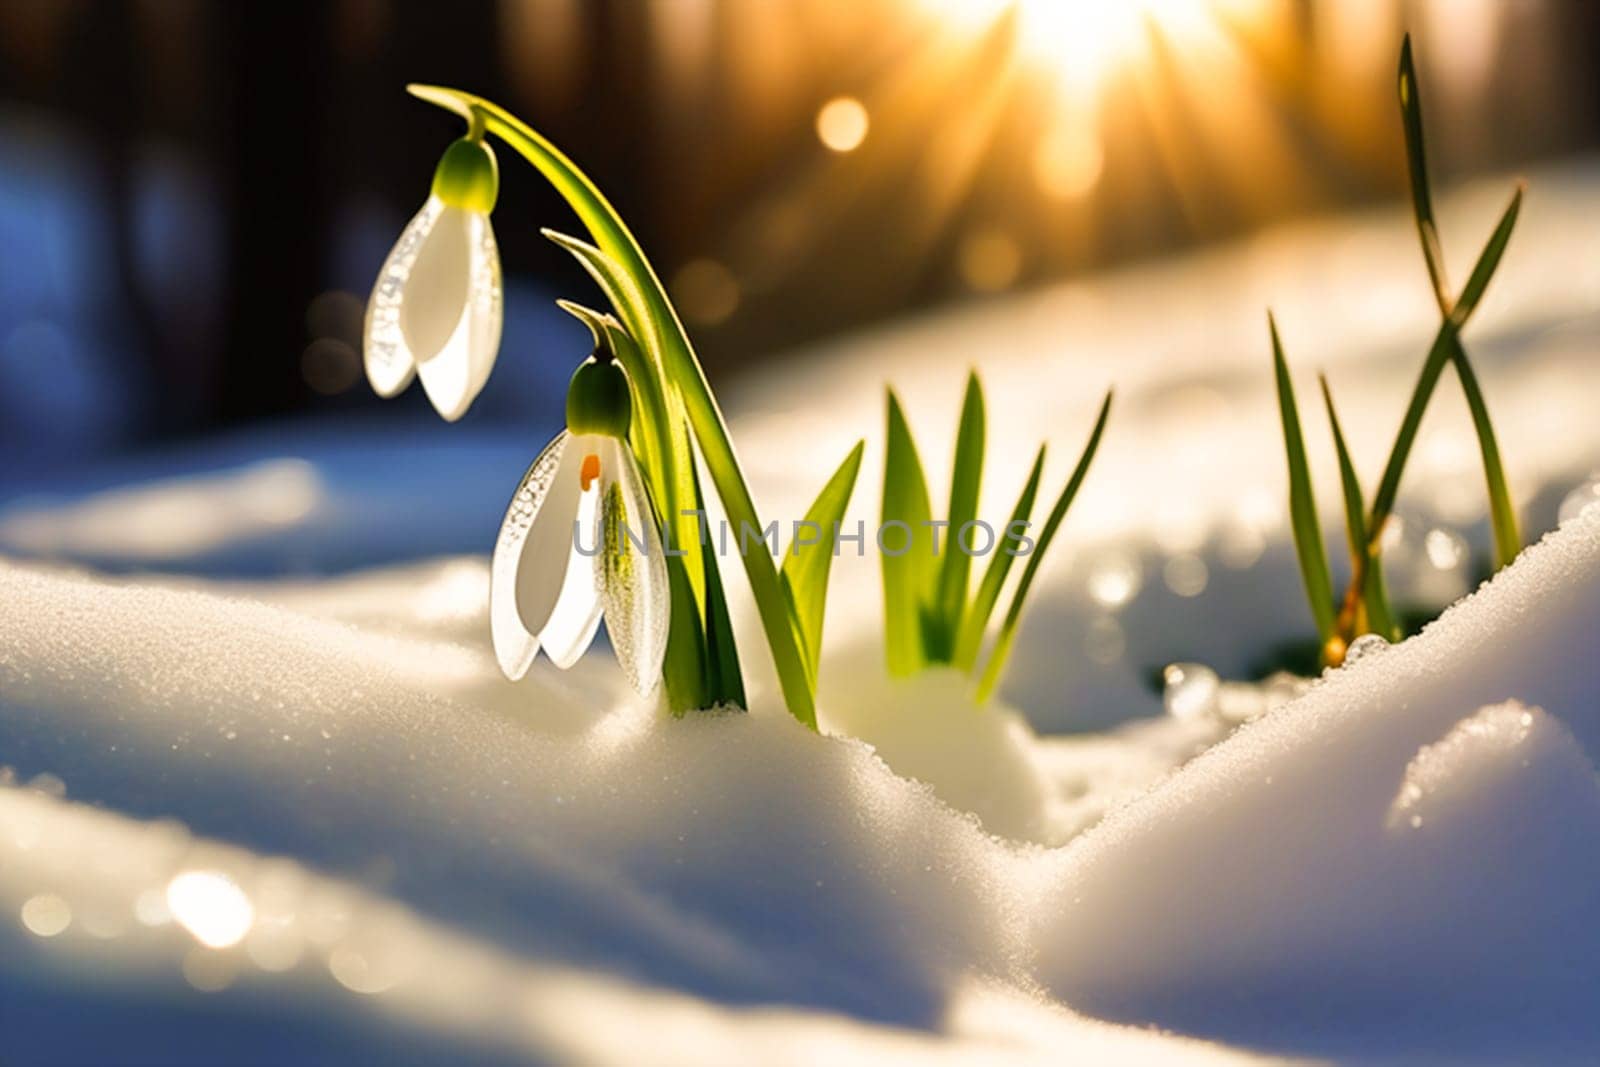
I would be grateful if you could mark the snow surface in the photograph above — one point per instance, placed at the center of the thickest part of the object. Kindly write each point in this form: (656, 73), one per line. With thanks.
(396, 854)
(461, 847)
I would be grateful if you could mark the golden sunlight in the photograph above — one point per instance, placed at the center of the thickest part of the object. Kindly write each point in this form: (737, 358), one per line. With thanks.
(1082, 44)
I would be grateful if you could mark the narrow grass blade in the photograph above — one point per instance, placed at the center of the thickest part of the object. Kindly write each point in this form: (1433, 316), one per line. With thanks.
(1302, 501)
(1355, 519)
(1445, 342)
(969, 639)
(1421, 197)
(1019, 598)
(1366, 573)
(1488, 261)
(684, 667)
(1502, 512)
(723, 680)
(908, 572)
(669, 345)
(806, 566)
(965, 482)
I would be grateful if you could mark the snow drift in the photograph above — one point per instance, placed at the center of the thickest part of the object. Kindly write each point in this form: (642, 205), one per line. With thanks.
(1378, 868)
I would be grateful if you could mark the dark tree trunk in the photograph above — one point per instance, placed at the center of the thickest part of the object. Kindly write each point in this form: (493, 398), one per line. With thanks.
(274, 63)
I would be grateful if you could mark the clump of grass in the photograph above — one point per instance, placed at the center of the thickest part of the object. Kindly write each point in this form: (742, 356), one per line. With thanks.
(1364, 607)
(931, 614)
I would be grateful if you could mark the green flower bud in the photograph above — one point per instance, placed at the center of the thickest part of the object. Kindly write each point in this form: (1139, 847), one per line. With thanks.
(468, 176)
(598, 400)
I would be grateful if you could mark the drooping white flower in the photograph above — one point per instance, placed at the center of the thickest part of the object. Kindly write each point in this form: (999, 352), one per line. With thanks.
(436, 308)
(579, 542)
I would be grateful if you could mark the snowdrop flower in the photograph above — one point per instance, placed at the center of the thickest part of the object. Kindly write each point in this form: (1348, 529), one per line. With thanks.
(436, 307)
(579, 542)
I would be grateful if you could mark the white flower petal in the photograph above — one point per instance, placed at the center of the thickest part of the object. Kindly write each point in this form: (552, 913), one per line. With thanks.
(386, 352)
(436, 289)
(632, 579)
(541, 569)
(514, 646)
(576, 615)
(455, 369)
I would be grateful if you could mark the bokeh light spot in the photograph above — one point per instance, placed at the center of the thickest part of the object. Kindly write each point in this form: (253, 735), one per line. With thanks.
(990, 261)
(706, 291)
(211, 907)
(842, 124)
(46, 915)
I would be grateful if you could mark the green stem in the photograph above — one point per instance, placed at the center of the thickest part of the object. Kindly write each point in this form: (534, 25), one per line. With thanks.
(680, 365)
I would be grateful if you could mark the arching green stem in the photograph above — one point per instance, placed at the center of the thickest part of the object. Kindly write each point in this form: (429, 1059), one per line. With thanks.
(660, 331)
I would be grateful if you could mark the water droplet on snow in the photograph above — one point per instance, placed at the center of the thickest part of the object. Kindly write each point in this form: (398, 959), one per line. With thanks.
(1191, 690)
(1446, 549)
(1363, 646)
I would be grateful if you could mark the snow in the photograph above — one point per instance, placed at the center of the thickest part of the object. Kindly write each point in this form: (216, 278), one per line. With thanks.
(1274, 862)
(447, 828)
(255, 809)
(738, 858)
(174, 518)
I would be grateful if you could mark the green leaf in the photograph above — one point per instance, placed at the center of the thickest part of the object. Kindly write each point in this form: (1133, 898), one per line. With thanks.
(1488, 261)
(1502, 512)
(613, 281)
(1416, 158)
(965, 481)
(969, 640)
(684, 667)
(1364, 561)
(805, 568)
(1019, 598)
(723, 679)
(1355, 520)
(681, 371)
(1302, 501)
(908, 575)
(1445, 342)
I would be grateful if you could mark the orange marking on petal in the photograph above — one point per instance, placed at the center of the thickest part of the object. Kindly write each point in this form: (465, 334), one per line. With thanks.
(589, 471)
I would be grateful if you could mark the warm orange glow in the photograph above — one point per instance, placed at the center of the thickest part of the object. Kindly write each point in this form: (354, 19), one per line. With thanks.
(1067, 162)
(842, 124)
(589, 471)
(1083, 43)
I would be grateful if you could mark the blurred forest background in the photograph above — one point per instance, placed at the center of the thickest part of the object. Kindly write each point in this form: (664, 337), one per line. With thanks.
(195, 196)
